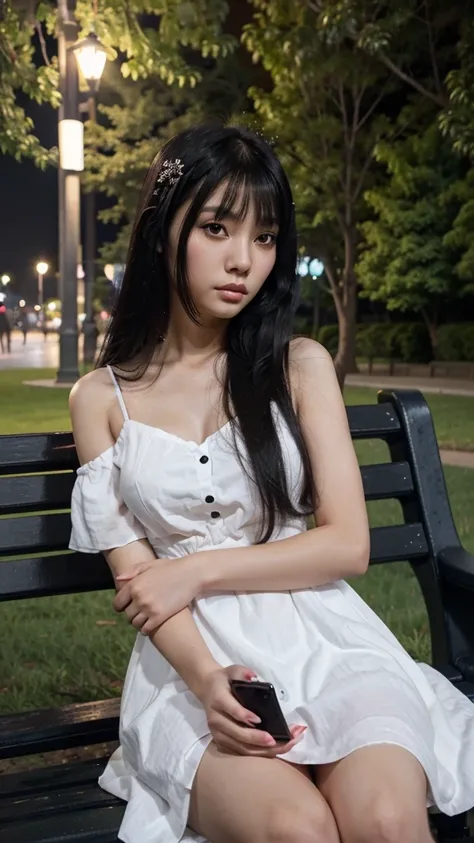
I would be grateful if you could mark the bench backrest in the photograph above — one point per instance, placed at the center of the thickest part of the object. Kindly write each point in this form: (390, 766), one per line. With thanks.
(37, 473)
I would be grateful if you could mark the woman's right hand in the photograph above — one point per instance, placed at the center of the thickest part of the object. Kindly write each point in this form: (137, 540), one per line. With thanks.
(231, 725)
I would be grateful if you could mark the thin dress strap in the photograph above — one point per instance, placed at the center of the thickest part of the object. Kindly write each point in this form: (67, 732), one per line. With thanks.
(118, 393)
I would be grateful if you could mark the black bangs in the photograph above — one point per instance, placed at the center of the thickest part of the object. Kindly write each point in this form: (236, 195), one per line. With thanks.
(251, 186)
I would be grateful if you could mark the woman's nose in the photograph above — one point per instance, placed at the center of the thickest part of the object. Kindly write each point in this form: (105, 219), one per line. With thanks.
(238, 257)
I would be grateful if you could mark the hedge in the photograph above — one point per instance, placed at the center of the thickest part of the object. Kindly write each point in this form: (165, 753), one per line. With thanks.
(408, 342)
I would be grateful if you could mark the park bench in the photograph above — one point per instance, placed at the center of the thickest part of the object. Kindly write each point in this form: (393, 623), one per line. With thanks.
(37, 472)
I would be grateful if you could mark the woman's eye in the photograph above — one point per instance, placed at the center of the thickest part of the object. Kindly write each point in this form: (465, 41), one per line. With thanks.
(267, 239)
(214, 228)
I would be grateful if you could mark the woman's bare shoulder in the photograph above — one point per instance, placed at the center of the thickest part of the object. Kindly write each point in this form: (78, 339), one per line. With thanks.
(92, 390)
(305, 349)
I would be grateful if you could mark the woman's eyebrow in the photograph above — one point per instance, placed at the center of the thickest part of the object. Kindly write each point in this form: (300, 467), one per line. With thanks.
(214, 209)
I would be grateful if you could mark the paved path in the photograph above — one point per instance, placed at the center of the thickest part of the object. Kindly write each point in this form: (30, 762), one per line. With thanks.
(441, 386)
(38, 353)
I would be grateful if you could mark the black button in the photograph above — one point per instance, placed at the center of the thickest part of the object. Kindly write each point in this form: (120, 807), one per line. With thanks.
(215, 514)
(210, 499)
(204, 460)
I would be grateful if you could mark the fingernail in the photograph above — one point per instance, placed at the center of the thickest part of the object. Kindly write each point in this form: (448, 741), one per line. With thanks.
(254, 719)
(270, 741)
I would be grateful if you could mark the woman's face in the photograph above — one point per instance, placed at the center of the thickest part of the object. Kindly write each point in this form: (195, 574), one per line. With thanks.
(227, 261)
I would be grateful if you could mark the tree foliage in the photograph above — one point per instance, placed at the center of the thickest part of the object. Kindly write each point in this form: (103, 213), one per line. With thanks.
(151, 37)
(427, 44)
(410, 256)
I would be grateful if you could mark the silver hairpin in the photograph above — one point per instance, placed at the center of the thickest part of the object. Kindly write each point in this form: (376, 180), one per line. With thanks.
(170, 172)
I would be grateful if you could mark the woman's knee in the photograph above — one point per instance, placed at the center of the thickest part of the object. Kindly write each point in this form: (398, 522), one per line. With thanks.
(292, 823)
(388, 821)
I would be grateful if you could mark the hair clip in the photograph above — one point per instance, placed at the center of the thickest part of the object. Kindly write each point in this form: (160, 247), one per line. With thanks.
(170, 172)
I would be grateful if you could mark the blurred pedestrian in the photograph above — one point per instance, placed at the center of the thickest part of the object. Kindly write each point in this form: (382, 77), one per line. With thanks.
(23, 325)
(5, 330)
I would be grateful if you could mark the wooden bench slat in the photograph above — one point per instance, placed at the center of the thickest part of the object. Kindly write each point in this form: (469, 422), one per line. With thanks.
(95, 825)
(34, 493)
(34, 781)
(387, 480)
(37, 452)
(34, 534)
(373, 421)
(400, 543)
(55, 802)
(47, 729)
(45, 576)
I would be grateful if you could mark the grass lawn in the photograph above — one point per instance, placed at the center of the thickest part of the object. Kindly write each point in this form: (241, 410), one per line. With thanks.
(72, 648)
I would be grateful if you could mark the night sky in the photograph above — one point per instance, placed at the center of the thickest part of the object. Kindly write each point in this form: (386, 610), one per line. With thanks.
(28, 212)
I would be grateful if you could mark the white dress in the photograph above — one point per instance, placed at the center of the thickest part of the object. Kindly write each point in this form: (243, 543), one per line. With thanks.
(336, 667)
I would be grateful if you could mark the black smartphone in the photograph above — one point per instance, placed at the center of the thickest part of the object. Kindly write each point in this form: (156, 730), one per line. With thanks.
(261, 699)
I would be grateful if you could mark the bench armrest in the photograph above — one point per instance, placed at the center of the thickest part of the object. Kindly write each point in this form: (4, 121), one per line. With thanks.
(456, 565)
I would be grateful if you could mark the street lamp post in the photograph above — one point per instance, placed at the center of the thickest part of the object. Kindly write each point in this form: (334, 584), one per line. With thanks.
(41, 268)
(71, 163)
(91, 57)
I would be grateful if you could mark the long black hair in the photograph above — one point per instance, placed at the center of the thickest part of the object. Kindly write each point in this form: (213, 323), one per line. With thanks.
(257, 339)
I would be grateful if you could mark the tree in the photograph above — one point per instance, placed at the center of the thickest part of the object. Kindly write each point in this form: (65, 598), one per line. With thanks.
(18, 72)
(327, 111)
(141, 117)
(152, 37)
(427, 44)
(409, 256)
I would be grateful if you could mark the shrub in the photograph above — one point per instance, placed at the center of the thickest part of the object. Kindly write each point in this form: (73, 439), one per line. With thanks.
(328, 336)
(450, 342)
(411, 342)
(468, 341)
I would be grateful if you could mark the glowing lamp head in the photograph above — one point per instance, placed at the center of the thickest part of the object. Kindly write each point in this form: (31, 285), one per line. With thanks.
(91, 56)
(42, 267)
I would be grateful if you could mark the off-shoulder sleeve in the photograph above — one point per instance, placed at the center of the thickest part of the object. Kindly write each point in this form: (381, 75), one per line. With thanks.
(100, 518)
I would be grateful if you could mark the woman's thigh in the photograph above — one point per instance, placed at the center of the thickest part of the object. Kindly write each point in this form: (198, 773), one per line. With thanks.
(242, 799)
(377, 794)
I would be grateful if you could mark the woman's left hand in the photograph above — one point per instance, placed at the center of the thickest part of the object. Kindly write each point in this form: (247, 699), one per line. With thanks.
(154, 592)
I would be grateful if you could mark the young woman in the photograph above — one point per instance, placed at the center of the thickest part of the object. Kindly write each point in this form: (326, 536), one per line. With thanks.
(206, 435)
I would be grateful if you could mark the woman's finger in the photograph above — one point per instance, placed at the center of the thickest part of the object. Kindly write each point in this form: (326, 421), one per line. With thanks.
(139, 622)
(228, 705)
(241, 747)
(242, 734)
(122, 598)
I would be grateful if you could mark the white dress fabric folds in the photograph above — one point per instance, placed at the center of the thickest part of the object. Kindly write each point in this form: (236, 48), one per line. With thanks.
(336, 667)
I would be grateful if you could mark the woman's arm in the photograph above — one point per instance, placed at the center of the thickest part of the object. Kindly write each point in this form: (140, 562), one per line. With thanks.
(339, 546)
(178, 639)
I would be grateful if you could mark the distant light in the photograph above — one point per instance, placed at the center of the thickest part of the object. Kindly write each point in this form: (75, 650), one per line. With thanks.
(21, 303)
(42, 267)
(52, 306)
(109, 271)
(37, 307)
(2, 297)
(302, 268)
(316, 268)
(104, 315)
(71, 145)
(5, 279)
